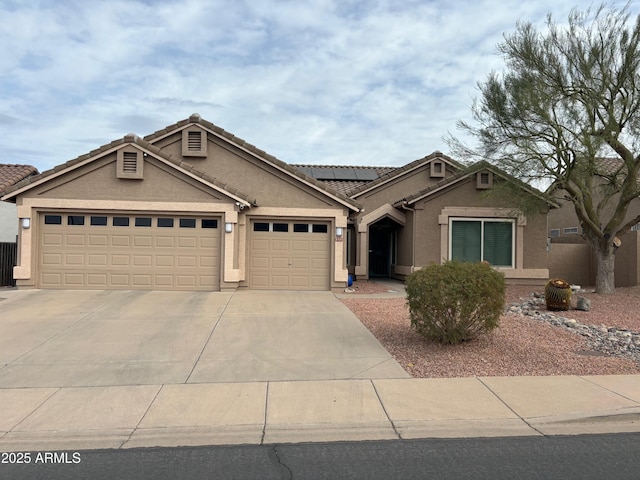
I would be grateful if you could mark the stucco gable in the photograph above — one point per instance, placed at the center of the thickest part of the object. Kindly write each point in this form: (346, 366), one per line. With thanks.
(111, 149)
(397, 174)
(287, 171)
(464, 176)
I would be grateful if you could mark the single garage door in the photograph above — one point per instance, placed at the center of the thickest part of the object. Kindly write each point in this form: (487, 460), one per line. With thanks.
(129, 251)
(289, 255)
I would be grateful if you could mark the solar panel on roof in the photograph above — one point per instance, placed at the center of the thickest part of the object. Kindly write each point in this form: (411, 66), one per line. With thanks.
(366, 174)
(323, 173)
(345, 174)
(306, 170)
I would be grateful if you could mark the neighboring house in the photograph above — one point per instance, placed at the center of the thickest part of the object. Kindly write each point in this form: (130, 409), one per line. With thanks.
(563, 221)
(572, 258)
(10, 175)
(193, 207)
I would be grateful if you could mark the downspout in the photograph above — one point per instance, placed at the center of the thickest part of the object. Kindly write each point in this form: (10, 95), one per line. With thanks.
(413, 233)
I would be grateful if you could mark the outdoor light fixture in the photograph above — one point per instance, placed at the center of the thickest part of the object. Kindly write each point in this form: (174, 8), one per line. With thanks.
(338, 232)
(228, 227)
(26, 222)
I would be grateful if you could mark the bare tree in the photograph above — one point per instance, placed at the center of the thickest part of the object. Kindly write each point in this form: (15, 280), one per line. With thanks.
(568, 98)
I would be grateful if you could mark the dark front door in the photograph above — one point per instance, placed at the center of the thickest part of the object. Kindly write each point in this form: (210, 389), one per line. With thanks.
(379, 250)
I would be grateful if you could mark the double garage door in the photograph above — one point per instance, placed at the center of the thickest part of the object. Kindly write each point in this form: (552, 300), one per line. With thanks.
(137, 251)
(289, 255)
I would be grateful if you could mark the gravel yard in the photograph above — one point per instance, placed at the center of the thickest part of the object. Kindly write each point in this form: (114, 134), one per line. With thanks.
(519, 346)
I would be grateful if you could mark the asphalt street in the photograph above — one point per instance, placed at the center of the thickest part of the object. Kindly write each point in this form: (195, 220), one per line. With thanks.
(582, 457)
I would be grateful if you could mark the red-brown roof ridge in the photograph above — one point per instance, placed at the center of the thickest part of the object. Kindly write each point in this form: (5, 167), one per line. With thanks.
(12, 173)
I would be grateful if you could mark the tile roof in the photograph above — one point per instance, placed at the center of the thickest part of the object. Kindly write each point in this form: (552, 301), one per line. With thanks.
(10, 174)
(128, 139)
(397, 172)
(346, 185)
(612, 165)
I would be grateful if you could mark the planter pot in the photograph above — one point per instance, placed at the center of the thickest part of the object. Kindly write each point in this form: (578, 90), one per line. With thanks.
(557, 294)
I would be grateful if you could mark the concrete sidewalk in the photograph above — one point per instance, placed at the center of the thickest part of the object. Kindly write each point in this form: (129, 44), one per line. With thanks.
(71, 418)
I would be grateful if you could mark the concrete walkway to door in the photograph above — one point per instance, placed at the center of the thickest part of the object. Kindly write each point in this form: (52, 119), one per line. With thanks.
(57, 338)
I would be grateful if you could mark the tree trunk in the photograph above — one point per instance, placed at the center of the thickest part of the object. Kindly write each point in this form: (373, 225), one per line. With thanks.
(605, 262)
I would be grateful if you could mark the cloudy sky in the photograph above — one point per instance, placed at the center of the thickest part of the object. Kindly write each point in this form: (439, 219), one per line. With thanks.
(357, 82)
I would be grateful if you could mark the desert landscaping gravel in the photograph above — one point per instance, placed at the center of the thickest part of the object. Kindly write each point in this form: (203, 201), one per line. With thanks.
(521, 345)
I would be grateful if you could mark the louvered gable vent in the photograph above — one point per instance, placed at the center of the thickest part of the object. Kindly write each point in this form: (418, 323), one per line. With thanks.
(194, 142)
(129, 163)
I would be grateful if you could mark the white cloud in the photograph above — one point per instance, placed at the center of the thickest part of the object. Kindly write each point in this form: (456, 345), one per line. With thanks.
(320, 81)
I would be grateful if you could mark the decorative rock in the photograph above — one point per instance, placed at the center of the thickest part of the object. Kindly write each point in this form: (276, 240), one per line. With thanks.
(608, 340)
(583, 304)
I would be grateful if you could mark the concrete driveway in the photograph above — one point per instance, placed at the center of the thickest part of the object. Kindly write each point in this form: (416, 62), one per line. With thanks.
(54, 338)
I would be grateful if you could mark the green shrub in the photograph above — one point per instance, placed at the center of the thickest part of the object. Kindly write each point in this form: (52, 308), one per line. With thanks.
(455, 301)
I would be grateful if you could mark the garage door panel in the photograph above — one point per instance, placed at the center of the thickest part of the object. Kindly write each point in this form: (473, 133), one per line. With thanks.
(73, 259)
(209, 242)
(51, 280)
(259, 244)
(187, 242)
(119, 280)
(319, 246)
(94, 260)
(165, 242)
(318, 281)
(73, 279)
(165, 260)
(142, 260)
(54, 259)
(318, 264)
(280, 281)
(208, 261)
(300, 263)
(143, 241)
(279, 262)
(98, 280)
(259, 281)
(141, 280)
(259, 262)
(207, 281)
(98, 240)
(299, 281)
(186, 280)
(187, 261)
(120, 241)
(52, 239)
(120, 260)
(300, 245)
(74, 240)
(280, 244)
(289, 259)
(121, 255)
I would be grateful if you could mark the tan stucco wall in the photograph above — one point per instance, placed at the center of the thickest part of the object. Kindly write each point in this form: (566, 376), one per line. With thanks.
(242, 171)
(98, 180)
(572, 262)
(399, 188)
(465, 200)
(628, 261)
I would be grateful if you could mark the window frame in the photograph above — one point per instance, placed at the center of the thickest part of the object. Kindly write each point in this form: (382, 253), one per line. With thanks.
(482, 221)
